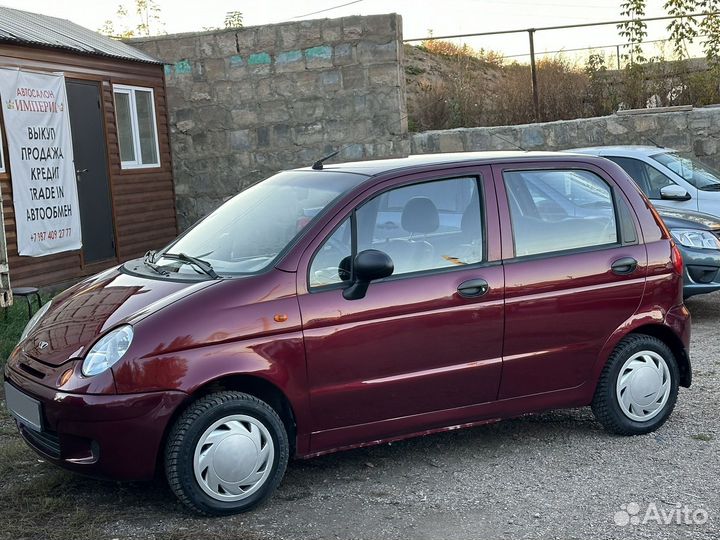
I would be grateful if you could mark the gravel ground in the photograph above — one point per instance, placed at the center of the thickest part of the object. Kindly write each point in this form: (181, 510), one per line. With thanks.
(555, 475)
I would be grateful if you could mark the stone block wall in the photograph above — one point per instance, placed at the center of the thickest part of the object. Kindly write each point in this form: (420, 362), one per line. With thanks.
(246, 103)
(690, 131)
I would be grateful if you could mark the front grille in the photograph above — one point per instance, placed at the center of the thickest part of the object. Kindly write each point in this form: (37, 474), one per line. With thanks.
(45, 441)
(31, 371)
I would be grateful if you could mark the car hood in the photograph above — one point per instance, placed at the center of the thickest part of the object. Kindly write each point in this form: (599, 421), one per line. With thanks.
(78, 316)
(676, 218)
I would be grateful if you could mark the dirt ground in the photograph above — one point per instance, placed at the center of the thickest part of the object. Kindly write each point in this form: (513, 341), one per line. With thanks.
(555, 475)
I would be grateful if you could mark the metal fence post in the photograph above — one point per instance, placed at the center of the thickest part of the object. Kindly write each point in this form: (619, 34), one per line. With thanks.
(533, 75)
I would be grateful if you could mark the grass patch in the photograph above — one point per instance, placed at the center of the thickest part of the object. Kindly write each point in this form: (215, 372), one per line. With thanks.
(705, 437)
(14, 320)
(414, 70)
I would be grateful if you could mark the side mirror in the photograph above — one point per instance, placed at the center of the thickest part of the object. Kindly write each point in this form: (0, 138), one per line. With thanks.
(370, 265)
(674, 193)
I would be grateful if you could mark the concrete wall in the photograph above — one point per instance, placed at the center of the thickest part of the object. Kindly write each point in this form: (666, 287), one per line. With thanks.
(691, 131)
(246, 103)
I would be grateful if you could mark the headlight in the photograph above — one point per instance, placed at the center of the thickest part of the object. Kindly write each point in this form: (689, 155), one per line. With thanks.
(696, 239)
(107, 351)
(32, 323)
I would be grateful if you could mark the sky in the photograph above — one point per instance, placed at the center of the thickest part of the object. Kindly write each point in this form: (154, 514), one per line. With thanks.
(420, 17)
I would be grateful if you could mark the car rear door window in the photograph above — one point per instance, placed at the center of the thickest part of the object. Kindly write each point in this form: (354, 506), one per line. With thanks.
(559, 210)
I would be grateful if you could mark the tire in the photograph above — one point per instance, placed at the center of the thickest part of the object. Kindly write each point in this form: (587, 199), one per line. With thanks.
(226, 453)
(638, 387)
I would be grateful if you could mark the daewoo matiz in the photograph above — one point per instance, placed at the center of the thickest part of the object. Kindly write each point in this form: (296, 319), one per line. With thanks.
(347, 305)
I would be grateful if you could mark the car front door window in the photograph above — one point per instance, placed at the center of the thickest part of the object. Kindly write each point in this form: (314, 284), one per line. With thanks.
(331, 264)
(425, 226)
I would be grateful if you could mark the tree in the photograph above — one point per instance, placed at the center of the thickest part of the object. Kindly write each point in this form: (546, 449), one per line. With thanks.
(634, 30)
(233, 19)
(683, 29)
(145, 21)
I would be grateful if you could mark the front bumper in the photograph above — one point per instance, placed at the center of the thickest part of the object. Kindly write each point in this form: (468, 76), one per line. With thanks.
(702, 271)
(111, 436)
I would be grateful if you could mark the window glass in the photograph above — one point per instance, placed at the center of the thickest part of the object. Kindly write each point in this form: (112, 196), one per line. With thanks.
(136, 125)
(2, 155)
(650, 180)
(629, 233)
(698, 174)
(425, 226)
(123, 116)
(146, 126)
(249, 231)
(557, 210)
(331, 263)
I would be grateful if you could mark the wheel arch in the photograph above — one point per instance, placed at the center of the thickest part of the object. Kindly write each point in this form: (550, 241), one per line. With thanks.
(671, 339)
(253, 385)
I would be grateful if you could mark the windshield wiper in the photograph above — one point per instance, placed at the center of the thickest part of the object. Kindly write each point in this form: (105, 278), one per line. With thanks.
(204, 266)
(148, 260)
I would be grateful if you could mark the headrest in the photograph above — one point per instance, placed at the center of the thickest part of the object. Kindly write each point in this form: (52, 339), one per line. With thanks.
(420, 215)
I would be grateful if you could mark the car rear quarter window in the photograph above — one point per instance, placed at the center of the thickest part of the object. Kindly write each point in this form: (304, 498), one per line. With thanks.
(559, 210)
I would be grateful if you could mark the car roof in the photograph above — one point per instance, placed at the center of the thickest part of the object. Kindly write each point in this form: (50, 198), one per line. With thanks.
(375, 167)
(629, 150)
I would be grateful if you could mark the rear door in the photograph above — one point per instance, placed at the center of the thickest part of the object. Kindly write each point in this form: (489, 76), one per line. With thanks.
(574, 269)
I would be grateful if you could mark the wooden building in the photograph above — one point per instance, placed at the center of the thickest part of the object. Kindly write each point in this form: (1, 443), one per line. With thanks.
(118, 117)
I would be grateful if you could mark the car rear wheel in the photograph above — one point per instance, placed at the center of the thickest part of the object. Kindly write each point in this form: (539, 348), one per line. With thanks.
(226, 453)
(638, 387)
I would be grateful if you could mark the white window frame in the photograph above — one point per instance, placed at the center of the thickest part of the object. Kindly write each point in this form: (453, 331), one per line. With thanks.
(3, 165)
(130, 91)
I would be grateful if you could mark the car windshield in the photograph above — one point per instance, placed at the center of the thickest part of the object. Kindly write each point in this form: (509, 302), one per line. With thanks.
(247, 233)
(699, 175)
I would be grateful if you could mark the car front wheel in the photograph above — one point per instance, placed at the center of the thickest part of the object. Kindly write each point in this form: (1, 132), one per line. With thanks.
(638, 387)
(226, 453)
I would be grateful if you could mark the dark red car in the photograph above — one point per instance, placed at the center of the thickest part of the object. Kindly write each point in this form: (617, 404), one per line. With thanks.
(337, 307)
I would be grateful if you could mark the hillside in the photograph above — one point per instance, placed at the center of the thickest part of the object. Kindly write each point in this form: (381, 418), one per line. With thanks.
(449, 86)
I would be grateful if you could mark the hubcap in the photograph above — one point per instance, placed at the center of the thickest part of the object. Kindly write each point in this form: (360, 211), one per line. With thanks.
(643, 386)
(233, 458)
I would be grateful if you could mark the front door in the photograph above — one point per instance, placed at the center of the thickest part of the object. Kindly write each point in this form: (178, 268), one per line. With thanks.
(422, 345)
(574, 269)
(89, 149)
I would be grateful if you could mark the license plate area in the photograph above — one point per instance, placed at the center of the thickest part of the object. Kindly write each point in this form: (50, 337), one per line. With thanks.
(26, 410)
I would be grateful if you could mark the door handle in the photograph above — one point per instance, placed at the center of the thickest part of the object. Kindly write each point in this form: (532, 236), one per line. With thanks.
(624, 266)
(473, 288)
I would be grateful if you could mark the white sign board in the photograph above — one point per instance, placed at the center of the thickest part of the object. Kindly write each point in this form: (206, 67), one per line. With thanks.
(37, 126)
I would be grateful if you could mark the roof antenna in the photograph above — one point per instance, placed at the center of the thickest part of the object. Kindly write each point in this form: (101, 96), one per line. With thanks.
(509, 142)
(318, 165)
(654, 143)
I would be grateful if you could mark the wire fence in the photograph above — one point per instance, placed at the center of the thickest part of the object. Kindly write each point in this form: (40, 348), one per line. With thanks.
(620, 50)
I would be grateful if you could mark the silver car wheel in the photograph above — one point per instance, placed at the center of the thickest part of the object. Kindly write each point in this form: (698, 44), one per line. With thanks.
(643, 386)
(233, 458)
